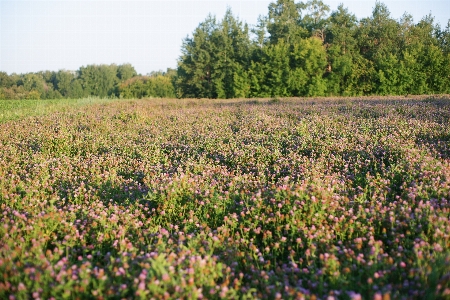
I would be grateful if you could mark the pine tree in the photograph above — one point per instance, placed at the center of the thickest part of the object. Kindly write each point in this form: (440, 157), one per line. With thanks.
(283, 22)
(341, 51)
(215, 60)
(195, 66)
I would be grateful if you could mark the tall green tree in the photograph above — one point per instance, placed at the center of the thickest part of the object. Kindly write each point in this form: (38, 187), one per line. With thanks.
(125, 72)
(308, 64)
(260, 32)
(444, 39)
(283, 22)
(99, 80)
(378, 40)
(5, 80)
(276, 64)
(315, 19)
(33, 84)
(76, 89)
(231, 59)
(195, 66)
(215, 60)
(63, 81)
(341, 51)
(378, 35)
(423, 62)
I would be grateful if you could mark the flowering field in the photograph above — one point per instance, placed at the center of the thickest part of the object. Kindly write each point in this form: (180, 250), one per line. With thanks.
(290, 198)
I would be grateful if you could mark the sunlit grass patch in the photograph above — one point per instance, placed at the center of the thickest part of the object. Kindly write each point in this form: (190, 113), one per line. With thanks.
(17, 109)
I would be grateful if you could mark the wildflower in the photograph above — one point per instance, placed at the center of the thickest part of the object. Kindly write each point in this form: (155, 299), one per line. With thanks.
(356, 297)
(437, 247)
(21, 287)
(165, 277)
(377, 296)
(141, 286)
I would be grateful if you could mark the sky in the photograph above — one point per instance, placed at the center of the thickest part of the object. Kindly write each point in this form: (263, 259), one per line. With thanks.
(37, 35)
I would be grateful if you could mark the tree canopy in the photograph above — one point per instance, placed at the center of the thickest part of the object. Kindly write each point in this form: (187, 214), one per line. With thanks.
(91, 80)
(304, 49)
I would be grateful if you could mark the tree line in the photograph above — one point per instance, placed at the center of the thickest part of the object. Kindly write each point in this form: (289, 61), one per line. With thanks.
(303, 49)
(297, 49)
(93, 80)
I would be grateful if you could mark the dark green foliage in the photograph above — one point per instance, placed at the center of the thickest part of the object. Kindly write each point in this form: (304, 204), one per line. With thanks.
(99, 80)
(5, 80)
(277, 69)
(92, 80)
(300, 49)
(194, 65)
(76, 89)
(283, 22)
(125, 72)
(64, 81)
(308, 61)
(158, 84)
(214, 62)
(342, 52)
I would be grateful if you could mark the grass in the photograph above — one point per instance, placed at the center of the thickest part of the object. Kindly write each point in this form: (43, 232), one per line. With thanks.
(295, 198)
(18, 109)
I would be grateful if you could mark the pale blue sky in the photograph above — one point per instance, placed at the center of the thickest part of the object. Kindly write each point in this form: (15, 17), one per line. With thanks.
(38, 35)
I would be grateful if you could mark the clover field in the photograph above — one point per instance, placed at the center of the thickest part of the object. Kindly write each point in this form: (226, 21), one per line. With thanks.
(270, 199)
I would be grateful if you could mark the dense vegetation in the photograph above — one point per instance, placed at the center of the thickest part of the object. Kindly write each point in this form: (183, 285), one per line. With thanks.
(300, 49)
(297, 49)
(103, 81)
(281, 198)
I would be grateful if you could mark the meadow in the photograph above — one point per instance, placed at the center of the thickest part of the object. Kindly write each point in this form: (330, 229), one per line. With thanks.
(241, 199)
(15, 110)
